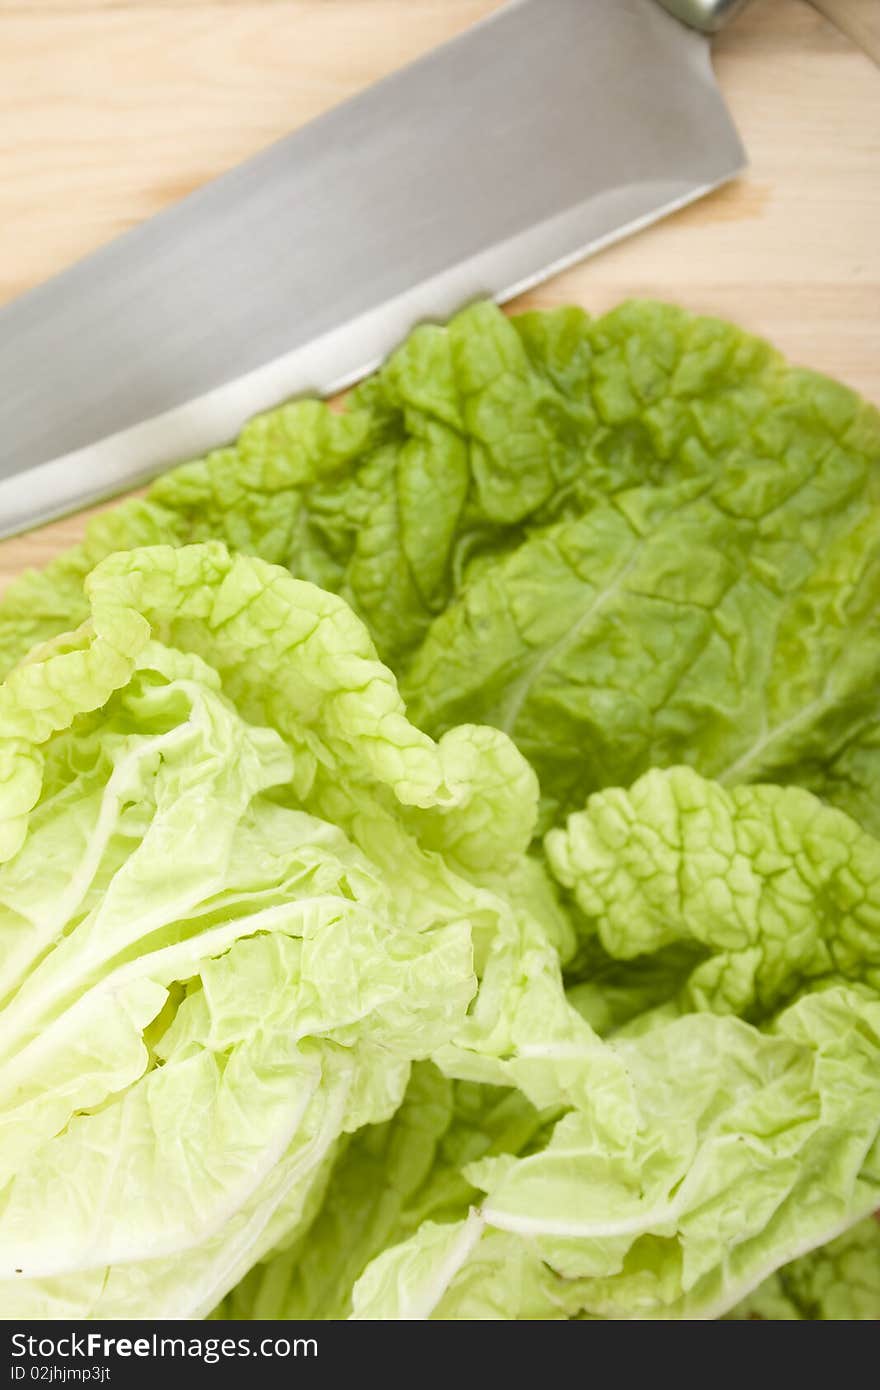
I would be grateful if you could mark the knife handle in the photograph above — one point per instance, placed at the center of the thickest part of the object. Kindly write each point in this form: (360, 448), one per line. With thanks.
(707, 15)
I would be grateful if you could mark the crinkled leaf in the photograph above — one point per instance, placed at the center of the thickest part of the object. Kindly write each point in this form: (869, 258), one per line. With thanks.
(207, 976)
(388, 1182)
(633, 542)
(839, 1282)
(746, 1149)
(630, 541)
(772, 890)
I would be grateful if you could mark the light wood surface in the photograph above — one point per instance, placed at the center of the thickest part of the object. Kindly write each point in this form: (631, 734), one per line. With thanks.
(858, 18)
(111, 109)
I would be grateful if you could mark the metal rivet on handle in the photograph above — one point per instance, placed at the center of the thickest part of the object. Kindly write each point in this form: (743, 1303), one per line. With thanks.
(708, 15)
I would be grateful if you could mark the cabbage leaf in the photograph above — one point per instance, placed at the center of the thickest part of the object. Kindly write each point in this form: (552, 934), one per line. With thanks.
(319, 998)
(228, 921)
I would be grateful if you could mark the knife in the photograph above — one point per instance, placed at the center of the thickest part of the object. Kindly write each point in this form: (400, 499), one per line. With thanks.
(542, 134)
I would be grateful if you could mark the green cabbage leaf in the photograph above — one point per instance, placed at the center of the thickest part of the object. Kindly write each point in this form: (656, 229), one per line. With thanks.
(440, 851)
(236, 905)
(666, 1168)
(632, 541)
(839, 1283)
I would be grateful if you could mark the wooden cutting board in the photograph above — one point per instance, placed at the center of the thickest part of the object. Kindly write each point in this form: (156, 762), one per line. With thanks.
(111, 109)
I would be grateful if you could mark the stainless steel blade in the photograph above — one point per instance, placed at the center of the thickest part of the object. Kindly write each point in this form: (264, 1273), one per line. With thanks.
(542, 134)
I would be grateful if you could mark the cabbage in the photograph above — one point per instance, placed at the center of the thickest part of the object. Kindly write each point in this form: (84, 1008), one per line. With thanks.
(840, 1282)
(235, 908)
(632, 541)
(319, 1004)
(668, 1171)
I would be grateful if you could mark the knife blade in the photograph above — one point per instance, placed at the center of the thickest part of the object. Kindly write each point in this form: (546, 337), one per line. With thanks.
(542, 134)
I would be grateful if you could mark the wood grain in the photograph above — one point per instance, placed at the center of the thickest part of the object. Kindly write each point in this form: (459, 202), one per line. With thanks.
(860, 19)
(111, 109)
